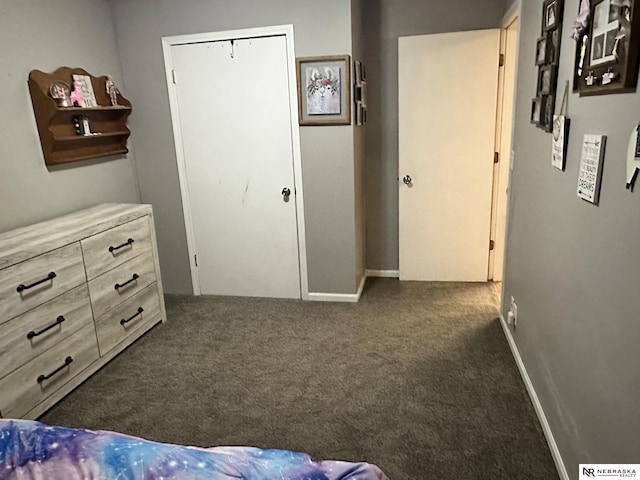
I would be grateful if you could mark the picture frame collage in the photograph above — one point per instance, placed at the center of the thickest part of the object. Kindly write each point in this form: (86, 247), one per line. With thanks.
(547, 55)
(360, 93)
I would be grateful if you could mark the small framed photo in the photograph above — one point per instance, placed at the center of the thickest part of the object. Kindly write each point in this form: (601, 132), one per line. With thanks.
(542, 50)
(324, 90)
(547, 118)
(551, 14)
(537, 108)
(357, 72)
(546, 80)
(361, 115)
(553, 46)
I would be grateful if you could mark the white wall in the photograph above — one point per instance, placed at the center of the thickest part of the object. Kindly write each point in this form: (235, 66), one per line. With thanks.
(45, 35)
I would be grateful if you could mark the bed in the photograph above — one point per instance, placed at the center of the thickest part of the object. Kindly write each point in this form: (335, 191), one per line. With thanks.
(33, 450)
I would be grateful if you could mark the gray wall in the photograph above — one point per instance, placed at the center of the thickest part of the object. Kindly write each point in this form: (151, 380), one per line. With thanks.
(574, 268)
(387, 20)
(321, 28)
(45, 35)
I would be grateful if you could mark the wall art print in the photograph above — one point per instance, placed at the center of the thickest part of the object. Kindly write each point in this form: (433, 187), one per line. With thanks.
(324, 90)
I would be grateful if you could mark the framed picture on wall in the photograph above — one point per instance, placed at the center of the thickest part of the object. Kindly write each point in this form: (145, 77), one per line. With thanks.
(607, 56)
(542, 52)
(551, 14)
(537, 110)
(546, 80)
(324, 90)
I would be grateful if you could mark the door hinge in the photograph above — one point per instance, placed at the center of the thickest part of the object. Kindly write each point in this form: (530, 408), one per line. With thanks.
(195, 258)
(501, 60)
(492, 245)
(174, 77)
(496, 157)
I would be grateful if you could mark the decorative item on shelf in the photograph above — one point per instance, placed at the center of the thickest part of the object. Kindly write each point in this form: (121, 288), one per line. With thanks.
(546, 59)
(86, 87)
(633, 158)
(591, 161)
(112, 90)
(608, 50)
(82, 125)
(61, 94)
(560, 133)
(324, 90)
(77, 124)
(77, 99)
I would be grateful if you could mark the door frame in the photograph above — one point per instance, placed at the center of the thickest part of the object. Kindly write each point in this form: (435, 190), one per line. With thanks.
(504, 133)
(279, 30)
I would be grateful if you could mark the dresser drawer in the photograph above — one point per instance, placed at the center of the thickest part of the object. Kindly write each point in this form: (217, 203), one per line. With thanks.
(129, 319)
(39, 279)
(32, 333)
(131, 278)
(111, 248)
(21, 391)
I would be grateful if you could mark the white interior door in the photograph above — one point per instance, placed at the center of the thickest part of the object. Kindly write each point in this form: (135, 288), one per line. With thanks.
(447, 113)
(233, 103)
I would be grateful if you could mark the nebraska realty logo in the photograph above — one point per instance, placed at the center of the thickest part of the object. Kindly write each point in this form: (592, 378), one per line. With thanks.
(587, 472)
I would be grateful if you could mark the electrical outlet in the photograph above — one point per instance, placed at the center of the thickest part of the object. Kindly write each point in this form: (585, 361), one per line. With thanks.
(513, 312)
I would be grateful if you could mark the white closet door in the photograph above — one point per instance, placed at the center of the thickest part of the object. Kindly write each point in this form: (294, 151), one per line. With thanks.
(233, 102)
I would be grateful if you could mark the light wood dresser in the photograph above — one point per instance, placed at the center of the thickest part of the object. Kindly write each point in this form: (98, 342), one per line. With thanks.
(74, 292)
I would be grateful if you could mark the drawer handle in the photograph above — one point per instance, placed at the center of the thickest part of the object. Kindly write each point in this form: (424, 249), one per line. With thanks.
(125, 244)
(132, 279)
(123, 321)
(58, 321)
(67, 362)
(22, 287)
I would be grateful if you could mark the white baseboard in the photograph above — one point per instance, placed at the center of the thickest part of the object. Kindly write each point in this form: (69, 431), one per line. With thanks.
(553, 446)
(333, 297)
(339, 297)
(383, 273)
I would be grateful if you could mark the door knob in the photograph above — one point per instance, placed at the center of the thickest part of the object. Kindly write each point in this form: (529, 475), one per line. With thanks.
(286, 192)
(406, 179)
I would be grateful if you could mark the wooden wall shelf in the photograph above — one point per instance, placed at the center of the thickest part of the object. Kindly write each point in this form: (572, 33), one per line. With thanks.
(60, 143)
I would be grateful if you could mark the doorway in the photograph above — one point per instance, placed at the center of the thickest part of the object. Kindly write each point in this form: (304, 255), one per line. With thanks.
(234, 113)
(504, 132)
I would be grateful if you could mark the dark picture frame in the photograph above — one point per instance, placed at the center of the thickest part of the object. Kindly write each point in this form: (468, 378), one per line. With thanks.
(542, 50)
(607, 55)
(546, 117)
(551, 14)
(553, 46)
(537, 110)
(547, 80)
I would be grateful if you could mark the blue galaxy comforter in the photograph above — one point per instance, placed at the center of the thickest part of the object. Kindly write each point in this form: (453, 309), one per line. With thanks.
(32, 450)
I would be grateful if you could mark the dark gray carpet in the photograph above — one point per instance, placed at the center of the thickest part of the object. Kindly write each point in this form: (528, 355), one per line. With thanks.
(417, 378)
